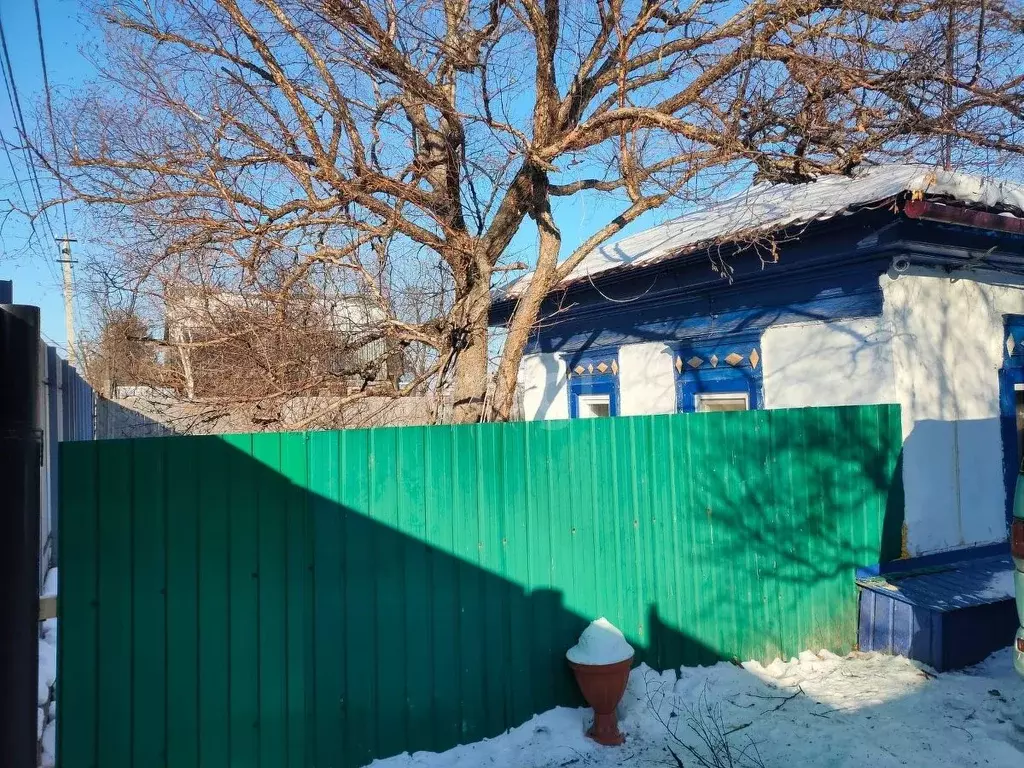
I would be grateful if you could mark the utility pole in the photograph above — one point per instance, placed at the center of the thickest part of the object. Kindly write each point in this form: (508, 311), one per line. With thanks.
(66, 261)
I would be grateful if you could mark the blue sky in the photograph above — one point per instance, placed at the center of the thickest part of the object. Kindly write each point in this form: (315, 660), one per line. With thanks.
(30, 261)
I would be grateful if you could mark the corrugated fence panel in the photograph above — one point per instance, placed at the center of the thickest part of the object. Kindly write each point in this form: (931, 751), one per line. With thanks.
(324, 599)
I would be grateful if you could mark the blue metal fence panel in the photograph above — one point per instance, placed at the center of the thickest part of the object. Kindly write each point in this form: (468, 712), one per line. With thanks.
(67, 405)
(69, 415)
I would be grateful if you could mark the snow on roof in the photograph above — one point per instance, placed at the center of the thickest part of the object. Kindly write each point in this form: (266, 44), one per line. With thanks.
(764, 208)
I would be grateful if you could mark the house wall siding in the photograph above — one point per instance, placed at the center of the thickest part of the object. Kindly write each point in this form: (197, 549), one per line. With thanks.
(828, 363)
(947, 352)
(647, 381)
(544, 387)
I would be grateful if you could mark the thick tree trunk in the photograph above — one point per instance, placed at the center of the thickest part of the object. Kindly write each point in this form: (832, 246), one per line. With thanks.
(470, 369)
(521, 324)
(470, 387)
(527, 311)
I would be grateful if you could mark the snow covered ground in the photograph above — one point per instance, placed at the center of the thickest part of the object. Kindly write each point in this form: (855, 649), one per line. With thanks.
(818, 710)
(46, 714)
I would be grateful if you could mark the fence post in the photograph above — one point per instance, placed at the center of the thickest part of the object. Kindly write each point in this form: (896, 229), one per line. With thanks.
(20, 453)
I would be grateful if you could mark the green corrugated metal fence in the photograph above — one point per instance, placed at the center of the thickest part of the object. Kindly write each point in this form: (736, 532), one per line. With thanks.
(323, 599)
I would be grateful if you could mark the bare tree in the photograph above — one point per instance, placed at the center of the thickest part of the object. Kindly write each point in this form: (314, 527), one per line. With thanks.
(280, 147)
(121, 356)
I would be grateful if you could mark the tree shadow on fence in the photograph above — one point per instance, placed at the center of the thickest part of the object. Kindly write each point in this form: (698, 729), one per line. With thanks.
(275, 600)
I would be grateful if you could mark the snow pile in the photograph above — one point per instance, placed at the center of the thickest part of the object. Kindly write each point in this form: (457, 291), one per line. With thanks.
(50, 583)
(817, 710)
(600, 643)
(46, 717)
(765, 208)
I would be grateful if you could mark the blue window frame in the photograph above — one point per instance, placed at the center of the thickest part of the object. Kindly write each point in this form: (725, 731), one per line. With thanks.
(1011, 404)
(593, 384)
(713, 369)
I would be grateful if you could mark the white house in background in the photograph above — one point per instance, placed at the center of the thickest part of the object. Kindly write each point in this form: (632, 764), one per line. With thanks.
(195, 313)
(903, 284)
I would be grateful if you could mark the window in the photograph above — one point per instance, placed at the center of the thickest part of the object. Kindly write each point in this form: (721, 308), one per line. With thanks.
(593, 406)
(716, 375)
(593, 384)
(712, 402)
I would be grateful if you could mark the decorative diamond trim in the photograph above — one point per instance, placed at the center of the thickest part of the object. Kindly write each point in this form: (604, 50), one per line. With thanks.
(679, 364)
(596, 368)
(754, 358)
(714, 361)
(734, 358)
(694, 362)
(1010, 345)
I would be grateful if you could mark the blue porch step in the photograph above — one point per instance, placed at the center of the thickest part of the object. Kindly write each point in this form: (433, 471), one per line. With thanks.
(948, 615)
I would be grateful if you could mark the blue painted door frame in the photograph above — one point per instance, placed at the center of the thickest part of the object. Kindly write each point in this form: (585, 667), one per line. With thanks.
(1011, 375)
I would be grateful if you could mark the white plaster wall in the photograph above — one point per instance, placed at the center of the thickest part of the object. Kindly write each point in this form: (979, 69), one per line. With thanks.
(544, 388)
(647, 382)
(947, 351)
(820, 364)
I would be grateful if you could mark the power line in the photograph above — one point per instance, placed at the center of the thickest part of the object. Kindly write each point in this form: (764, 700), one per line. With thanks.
(49, 112)
(14, 172)
(64, 242)
(8, 77)
(19, 120)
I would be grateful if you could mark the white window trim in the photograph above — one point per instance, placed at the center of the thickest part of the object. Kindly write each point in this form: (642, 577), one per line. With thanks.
(586, 400)
(700, 397)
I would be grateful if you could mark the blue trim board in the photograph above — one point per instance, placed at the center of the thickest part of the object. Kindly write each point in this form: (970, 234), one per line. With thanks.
(928, 562)
(949, 587)
(6, 292)
(711, 317)
(833, 244)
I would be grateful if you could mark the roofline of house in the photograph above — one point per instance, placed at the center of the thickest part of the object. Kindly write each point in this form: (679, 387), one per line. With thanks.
(923, 253)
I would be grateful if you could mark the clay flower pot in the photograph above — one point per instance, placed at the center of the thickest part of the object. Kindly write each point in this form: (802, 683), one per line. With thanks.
(600, 661)
(602, 686)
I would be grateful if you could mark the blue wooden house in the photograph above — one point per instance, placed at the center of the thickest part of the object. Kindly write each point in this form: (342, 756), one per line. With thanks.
(902, 284)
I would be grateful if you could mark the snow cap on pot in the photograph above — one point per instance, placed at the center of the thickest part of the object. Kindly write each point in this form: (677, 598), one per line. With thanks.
(600, 643)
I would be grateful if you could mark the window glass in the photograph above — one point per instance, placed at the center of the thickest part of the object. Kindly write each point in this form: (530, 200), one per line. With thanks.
(593, 406)
(708, 402)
